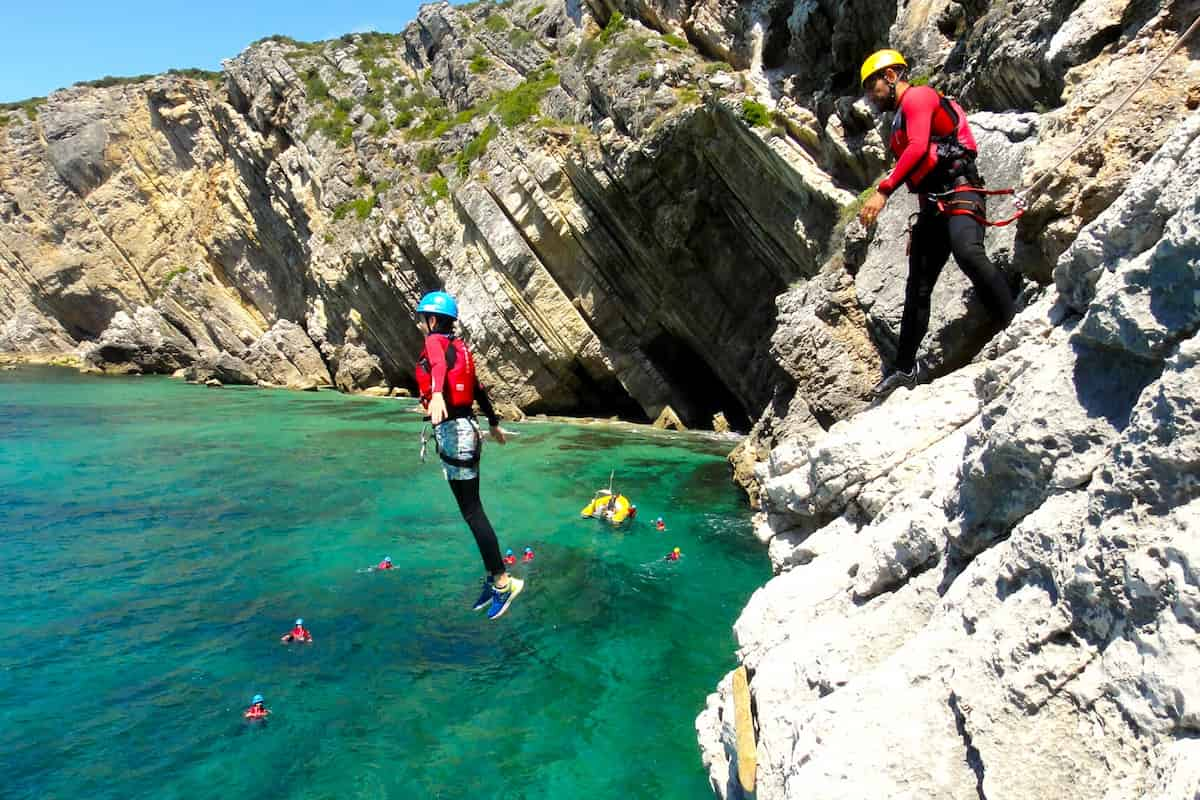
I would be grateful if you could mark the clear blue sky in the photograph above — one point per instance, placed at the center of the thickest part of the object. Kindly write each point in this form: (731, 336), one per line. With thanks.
(46, 47)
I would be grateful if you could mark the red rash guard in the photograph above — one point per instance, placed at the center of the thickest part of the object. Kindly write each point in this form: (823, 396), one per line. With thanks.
(920, 118)
(300, 633)
(435, 352)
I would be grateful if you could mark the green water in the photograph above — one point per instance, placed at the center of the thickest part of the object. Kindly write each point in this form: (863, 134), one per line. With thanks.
(157, 539)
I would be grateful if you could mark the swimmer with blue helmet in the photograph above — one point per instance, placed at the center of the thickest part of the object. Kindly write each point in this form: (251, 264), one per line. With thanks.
(256, 710)
(297, 634)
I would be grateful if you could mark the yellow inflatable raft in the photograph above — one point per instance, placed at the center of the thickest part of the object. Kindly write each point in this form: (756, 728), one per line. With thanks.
(615, 508)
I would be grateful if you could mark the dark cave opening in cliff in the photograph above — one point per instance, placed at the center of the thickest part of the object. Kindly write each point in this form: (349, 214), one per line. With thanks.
(700, 392)
(592, 397)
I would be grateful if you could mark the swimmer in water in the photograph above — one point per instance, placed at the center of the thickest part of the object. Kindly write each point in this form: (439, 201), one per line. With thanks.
(297, 634)
(256, 710)
(509, 558)
(658, 523)
(528, 555)
(386, 563)
(673, 555)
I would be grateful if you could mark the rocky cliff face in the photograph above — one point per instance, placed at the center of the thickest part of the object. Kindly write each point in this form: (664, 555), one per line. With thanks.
(985, 587)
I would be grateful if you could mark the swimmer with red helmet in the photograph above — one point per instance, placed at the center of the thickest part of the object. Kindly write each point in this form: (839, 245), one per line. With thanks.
(256, 710)
(297, 634)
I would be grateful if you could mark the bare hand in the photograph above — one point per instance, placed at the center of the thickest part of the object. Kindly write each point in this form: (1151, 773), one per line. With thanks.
(437, 409)
(498, 434)
(870, 211)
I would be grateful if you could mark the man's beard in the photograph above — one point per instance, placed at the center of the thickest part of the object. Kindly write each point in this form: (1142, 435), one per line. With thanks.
(883, 106)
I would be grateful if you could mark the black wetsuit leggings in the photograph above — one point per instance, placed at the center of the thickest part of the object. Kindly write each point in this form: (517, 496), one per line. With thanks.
(467, 494)
(935, 237)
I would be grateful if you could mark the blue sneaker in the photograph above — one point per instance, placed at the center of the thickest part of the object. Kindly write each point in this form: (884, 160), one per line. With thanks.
(485, 596)
(502, 598)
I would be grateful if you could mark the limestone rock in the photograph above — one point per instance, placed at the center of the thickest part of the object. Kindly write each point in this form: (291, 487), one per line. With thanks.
(357, 369)
(1000, 560)
(285, 355)
(142, 341)
(377, 391)
(221, 367)
(668, 420)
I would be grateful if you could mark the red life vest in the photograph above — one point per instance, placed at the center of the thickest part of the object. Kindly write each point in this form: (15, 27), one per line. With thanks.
(255, 712)
(459, 390)
(950, 137)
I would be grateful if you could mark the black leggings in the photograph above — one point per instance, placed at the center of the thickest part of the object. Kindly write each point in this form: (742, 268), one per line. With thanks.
(934, 237)
(467, 494)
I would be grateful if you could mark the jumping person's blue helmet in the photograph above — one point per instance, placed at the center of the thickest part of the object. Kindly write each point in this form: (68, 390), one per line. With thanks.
(438, 303)
(258, 698)
(299, 622)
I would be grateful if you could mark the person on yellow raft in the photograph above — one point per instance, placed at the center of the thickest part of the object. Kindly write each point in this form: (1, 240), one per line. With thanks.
(935, 153)
(612, 506)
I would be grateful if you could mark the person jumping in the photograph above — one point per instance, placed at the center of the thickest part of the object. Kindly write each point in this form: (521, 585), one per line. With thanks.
(448, 388)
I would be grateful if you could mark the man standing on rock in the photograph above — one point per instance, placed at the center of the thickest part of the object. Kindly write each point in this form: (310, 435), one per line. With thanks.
(935, 153)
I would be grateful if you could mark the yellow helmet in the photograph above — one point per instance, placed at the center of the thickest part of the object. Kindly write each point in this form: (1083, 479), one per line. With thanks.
(880, 60)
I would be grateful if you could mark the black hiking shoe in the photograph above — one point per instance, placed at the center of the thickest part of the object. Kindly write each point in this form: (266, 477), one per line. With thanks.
(895, 378)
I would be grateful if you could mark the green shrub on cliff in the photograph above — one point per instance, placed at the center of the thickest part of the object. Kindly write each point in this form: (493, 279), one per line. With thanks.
(30, 107)
(533, 12)
(315, 88)
(677, 42)
(474, 149)
(438, 187)
(616, 23)
(630, 52)
(428, 159)
(4, 120)
(519, 37)
(362, 207)
(520, 103)
(479, 64)
(496, 23)
(755, 113)
(379, 128)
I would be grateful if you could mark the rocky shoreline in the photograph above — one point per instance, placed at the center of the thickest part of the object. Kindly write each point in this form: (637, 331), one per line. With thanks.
(984, 587)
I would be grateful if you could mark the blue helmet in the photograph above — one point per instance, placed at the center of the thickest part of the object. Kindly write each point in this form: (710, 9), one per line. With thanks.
(528, 549)
(508, 552)
(299, 621)
(438, 303)
(387, 559)
(258, 698)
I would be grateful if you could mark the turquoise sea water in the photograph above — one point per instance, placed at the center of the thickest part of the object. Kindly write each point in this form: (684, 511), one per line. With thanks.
(157, 539)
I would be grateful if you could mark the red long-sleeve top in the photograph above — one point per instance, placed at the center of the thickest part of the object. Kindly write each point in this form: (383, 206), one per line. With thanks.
(435, 351)
(920, 118)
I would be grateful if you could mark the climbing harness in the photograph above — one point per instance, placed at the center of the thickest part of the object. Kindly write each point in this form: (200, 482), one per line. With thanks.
(951, 207)
(470, 463)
